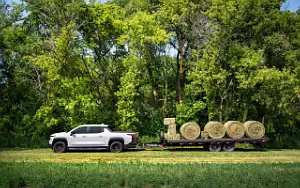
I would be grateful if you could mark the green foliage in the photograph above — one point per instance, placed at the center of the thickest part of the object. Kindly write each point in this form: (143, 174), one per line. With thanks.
(149, 139)
(189, 111)
(288, 140)
(132, 63)
(238, 76)
(128, 94)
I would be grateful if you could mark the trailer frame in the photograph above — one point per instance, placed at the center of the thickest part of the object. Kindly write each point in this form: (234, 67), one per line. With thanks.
(214, 145)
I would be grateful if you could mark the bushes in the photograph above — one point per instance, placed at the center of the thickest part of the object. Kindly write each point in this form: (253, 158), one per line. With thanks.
(23, 142)
(148, 139)
(284, 141)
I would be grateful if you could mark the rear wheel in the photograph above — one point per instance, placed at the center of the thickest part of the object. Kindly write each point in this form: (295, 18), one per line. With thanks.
(116, 147)
(228, 147)
(59, 147)
(215, 147)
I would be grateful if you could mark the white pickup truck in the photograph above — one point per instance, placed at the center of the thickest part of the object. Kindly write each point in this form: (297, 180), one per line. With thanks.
(92, 136)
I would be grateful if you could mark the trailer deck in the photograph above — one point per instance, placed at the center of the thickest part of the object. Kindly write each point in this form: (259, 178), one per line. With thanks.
(225, 144)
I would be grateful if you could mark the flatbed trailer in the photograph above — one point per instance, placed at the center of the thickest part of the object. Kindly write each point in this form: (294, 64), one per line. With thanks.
(214, 145)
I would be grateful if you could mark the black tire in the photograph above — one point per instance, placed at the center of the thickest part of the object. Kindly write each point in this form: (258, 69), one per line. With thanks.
(59, 147)
(215, 147)
(116, 147)
(228, 147)
(206, 147)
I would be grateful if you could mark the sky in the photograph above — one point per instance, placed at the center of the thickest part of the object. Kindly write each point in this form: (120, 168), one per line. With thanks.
(291, 5)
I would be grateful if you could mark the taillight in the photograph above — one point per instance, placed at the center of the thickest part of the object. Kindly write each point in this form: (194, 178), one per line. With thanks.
(133, 137)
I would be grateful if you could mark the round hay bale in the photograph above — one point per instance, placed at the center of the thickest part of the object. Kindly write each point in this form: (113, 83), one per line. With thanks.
(215, 129)
(190, 130)
(254, 129)
(234, 129)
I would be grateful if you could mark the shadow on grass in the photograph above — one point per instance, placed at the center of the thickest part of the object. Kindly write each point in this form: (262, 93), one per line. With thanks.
(205, 150)
(150, 149)
(91, 150)
(170, 149)
(18, 149)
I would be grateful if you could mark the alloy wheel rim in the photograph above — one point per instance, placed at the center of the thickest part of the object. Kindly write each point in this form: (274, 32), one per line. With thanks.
(116, 148)
(59, 148)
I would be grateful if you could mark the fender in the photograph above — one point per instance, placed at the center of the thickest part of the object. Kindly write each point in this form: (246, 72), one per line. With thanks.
(59, 139)
(115, 139)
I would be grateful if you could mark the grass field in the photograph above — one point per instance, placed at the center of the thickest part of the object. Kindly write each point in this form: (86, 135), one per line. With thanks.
(192, 155)
(163, 168)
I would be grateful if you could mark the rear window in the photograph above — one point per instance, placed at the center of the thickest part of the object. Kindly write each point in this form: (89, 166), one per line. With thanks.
(96, 129)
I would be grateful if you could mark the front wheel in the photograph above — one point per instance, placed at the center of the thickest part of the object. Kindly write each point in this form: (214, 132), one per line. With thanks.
(215, 147)
(59, 147)
(116, 147)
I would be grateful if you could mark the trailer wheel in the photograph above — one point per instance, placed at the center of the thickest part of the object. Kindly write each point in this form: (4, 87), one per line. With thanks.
(206, 147)
(215, 147)
(228, 147)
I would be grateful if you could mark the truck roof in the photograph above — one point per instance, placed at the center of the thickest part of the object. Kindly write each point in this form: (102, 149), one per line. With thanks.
(95, 125)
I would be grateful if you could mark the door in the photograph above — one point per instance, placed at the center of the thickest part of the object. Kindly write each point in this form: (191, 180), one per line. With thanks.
(95, 137)
(78, 138)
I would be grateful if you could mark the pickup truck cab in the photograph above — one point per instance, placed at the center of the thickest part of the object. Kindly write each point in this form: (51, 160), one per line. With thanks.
(92, 136)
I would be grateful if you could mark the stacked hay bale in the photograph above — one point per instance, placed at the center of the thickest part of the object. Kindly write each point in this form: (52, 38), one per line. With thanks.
(254, 129)
(204, 135)
(171, 135)
(234, 129)
(190, 130)
(215, 129)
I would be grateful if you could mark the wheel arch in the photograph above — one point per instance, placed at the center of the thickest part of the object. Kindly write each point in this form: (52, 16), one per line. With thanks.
(59, 139)
(111, 140)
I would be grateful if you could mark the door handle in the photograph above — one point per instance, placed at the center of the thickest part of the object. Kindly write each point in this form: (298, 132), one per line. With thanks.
(83, 136)
(100, 136)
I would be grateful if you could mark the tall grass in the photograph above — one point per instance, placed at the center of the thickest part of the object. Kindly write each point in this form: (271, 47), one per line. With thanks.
(148, 175)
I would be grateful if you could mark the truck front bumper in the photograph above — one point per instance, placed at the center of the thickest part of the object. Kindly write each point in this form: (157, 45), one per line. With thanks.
(50, 142)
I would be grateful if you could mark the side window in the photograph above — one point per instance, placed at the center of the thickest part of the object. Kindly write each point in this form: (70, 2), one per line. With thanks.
(80, 130)
(96, 129)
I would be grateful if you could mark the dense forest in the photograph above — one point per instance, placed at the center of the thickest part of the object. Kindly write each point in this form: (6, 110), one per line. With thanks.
(131, 63)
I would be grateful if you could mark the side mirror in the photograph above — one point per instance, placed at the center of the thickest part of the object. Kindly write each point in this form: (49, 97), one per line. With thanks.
(72, 133)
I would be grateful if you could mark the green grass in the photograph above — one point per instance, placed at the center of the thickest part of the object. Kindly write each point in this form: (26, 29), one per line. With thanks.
(189, 167)
(172, 155)
(38, 174)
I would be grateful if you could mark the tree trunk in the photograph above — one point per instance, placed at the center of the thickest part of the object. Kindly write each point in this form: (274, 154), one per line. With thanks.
(245, 115)
(180, 61)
